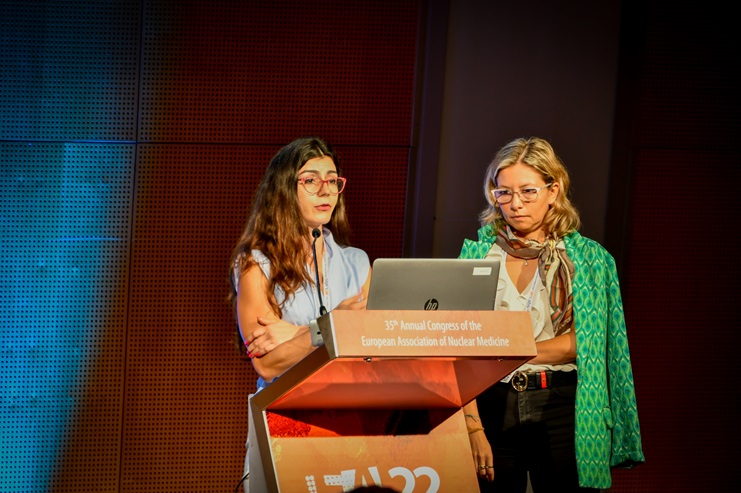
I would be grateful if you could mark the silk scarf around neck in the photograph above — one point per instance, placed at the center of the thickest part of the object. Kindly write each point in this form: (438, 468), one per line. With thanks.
(555, 269)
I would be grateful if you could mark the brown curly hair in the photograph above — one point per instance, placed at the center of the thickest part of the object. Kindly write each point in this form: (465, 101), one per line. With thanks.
(276, 228)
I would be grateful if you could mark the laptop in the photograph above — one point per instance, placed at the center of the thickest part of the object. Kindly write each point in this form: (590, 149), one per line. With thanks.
(433, 284)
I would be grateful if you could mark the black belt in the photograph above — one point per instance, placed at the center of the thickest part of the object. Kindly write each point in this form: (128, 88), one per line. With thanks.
(532, 380)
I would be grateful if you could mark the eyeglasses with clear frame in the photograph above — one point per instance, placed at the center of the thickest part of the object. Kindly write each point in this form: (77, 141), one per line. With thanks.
(312, 184)
(529, 194)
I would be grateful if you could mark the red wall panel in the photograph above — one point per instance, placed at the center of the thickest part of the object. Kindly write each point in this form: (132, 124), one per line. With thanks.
(271, 71)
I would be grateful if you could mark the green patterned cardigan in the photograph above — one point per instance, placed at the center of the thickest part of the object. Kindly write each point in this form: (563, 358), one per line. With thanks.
(607, 430)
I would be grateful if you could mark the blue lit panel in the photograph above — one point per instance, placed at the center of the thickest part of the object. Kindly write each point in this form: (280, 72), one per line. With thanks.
(66, 214)
(69, 69)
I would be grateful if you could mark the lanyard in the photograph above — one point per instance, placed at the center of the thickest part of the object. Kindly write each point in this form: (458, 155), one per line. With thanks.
(531, 294)
(324, 287)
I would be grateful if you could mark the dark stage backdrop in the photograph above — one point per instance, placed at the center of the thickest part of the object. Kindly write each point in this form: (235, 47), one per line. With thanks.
(133, 134)
(672, 205)
(673, 210)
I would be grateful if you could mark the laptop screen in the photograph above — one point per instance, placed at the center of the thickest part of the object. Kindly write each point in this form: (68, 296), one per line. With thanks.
(433, 284)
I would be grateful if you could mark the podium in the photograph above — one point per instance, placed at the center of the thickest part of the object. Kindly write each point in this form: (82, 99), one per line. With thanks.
(379, 403)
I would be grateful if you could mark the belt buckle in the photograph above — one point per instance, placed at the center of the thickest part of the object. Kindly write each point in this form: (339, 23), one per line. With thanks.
(519, 381)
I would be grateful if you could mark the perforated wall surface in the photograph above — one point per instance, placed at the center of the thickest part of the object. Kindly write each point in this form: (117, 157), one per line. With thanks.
(70, 69)
(375, 197)
(66, 211)
(189, 210)
(133, 133)
(269, 71)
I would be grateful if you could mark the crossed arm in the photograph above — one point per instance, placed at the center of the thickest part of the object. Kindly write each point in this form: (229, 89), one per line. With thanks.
(274, 344)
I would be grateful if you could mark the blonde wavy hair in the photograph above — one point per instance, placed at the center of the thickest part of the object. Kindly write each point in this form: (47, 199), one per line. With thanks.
(562, 218)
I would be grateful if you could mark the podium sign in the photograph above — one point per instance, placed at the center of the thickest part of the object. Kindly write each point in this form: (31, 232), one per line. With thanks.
(379, 403)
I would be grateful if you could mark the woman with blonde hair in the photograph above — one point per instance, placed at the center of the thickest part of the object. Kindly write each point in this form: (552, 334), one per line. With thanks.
(569, 414)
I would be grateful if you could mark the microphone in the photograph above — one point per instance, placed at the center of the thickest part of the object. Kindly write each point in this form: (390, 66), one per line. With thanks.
(316, 234)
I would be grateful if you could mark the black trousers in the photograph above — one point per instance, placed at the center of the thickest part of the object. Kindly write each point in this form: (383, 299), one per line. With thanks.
(531, 432)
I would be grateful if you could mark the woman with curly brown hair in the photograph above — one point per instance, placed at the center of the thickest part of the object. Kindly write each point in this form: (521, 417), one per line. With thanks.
(293, 262)
(274, 287)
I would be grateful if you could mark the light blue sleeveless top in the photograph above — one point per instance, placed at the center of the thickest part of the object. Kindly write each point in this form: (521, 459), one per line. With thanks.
(345, 271)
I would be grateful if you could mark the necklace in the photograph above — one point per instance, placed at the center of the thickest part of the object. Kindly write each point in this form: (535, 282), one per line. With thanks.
(525, 262)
